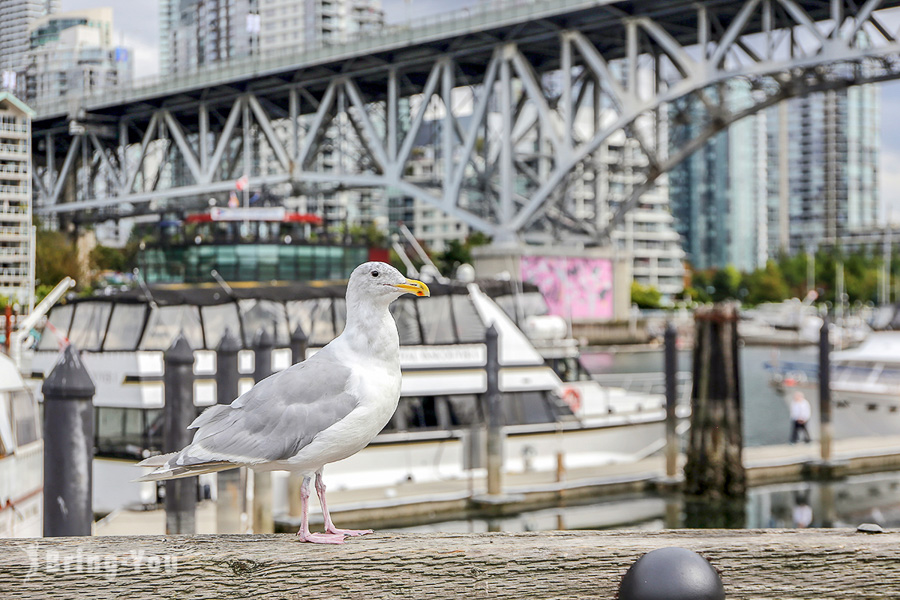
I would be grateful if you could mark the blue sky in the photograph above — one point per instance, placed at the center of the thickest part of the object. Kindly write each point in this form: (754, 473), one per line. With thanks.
(137, 26)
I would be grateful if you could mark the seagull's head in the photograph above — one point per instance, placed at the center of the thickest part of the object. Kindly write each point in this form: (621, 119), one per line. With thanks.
(381, 280)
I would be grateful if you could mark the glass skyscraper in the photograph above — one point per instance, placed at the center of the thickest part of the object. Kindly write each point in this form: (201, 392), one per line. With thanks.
(717, 193)
(795, 177)
(823, 153)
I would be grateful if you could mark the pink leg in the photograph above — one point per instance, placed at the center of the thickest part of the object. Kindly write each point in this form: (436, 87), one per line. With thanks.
(304, 534)
(329, 526)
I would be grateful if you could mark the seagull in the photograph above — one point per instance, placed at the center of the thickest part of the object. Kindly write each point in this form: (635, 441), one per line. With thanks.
(315, 412)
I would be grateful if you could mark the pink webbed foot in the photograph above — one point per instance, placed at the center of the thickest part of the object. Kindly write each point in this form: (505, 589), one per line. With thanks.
(321, 538)
(349, 532)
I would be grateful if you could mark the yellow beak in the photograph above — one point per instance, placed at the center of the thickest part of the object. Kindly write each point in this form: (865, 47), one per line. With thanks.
(414, 286)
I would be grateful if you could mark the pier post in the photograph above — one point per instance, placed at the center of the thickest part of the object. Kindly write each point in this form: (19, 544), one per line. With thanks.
(715, 482)
(178, 379)
(299, 345)
(229, 496)
(262, 481)
(68, 447)
(494, 433)
(825, 428)
(671, 370)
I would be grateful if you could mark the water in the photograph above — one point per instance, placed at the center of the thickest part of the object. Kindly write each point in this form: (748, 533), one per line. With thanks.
(766, 418)
(845, 503)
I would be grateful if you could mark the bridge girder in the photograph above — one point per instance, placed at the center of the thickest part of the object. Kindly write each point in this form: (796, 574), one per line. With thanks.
(508, 118)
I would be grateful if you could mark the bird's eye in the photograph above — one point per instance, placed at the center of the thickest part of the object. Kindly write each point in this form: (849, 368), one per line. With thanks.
(374, 273)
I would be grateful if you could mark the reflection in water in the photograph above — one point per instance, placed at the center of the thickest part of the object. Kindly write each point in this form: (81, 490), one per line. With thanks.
(847, 503)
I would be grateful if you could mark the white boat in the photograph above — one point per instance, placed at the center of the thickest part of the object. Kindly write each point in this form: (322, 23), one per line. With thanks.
(21, 457)
(122, 338)
(796, 323)
(865, 386)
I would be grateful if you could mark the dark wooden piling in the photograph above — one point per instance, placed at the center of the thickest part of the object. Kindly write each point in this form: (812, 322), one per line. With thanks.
(68, 447)
(671, 372)
(181, 494)
(587, 565)
(262, 481)
(494, 420)
(826, 432)
(229, 488)
(714, 469)
(299, 345)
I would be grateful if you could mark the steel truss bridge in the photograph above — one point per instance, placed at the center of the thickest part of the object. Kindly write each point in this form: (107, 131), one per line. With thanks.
(513, 101)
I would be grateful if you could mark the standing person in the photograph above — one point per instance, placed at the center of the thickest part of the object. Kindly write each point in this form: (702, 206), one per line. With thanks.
(801, 412)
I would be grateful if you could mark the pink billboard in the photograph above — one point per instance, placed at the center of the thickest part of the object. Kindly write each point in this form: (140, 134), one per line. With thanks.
(576, 288)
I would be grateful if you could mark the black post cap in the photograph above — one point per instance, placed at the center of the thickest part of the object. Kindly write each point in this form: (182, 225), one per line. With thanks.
(68, 380)
(179, 352)
(671, 574)
(262, 339)
(229, 342)
(299, 335)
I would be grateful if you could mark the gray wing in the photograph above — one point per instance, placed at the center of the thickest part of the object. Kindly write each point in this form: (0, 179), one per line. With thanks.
(276, 418)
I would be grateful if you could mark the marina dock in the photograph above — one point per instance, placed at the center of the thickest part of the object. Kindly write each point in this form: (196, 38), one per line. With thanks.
(412, 503)
(796, 564)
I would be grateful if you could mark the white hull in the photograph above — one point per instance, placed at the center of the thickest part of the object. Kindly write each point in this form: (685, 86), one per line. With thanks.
(854, 412)
(429, 456)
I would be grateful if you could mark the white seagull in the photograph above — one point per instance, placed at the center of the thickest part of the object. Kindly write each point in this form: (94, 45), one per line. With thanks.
(316, 412)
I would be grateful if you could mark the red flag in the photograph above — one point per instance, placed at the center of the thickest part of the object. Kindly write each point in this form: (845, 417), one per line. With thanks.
(242, 183)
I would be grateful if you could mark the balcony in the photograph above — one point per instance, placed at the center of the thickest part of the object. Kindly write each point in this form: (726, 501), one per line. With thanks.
(19, 151)
(14, 234)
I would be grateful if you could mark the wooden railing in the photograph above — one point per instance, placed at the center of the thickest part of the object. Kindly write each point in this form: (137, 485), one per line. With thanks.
(795, 564)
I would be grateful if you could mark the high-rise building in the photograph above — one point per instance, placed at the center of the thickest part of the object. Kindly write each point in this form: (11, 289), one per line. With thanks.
(194, 33)
(16, 16)
(800, 175)
(718, 194)
(823, 153)
(646, 234)
(73, 53)
(16, 236)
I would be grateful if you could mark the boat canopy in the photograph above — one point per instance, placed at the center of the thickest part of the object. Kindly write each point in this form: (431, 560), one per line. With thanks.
(150, 319)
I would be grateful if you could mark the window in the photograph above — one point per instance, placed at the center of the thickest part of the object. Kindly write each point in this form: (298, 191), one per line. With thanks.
(25, 413)
(125, 327)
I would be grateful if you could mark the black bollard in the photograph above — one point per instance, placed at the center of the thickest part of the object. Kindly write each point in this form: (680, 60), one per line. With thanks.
(671, 574)
(181, 494)
(492, 397)
(262, 355)
(825, 428)
(299, 345)
(262, 480)
(671, 365)
(228, 483)
(68, 447)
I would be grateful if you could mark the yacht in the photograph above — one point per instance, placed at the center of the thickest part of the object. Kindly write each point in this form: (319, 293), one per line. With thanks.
(550, 404)
(21, 457)
(865, 386)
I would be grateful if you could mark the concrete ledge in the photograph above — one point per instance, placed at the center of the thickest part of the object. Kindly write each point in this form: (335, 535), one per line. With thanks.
(796, 564)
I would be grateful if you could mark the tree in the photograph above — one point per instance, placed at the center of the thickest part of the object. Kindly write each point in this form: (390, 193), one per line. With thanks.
(727, 282)
(55, 258)
(766, 285)
(645, 296)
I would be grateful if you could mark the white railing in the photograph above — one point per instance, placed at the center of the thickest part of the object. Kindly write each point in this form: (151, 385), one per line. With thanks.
(14, 148)
(13, 128)
(14, 231)
(15, 190)
(16, 168)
